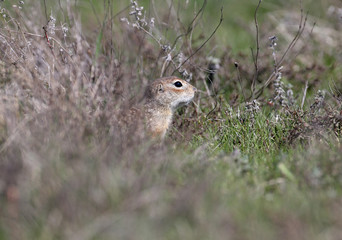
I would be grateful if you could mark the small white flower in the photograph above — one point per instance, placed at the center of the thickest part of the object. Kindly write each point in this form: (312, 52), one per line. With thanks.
(65, 30)
(152, 22)
(168, 58)
(52, 25)
(125, 20)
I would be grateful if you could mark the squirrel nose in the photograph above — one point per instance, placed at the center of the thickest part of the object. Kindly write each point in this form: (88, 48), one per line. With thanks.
(195, 89)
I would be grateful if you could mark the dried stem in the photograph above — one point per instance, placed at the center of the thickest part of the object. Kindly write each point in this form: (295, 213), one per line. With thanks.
(190, 27)
(203, 44)
(45, 10)
(304, 95)
(240, 80)
(257, 50)
(189, 30)
(299, 33)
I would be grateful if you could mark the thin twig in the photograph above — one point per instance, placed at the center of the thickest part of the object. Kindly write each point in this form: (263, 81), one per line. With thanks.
(119, 12)
(163, 67)
(168, 18)
(191, 26)
(240, 80)
(203, 44)
(301, 50)
(304, 95)
(257, 50)
(45, 9)
(110, 3)
(299, 33)
(295, 40)
(337, 95)
(16, 132)
(48, 39)
(94, 11)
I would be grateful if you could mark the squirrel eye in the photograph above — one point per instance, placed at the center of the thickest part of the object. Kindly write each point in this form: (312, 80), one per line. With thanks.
(178, 84)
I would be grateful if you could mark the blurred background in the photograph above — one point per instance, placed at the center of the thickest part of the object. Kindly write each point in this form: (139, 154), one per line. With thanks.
(254, 156)
(237, 29)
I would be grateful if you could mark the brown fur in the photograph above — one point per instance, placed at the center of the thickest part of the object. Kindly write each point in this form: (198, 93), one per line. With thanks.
(162, 98)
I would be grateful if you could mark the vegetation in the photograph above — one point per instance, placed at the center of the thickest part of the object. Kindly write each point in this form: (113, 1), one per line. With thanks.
(257, 155)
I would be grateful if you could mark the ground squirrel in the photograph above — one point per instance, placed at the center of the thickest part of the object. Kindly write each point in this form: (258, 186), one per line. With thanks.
(162, 97)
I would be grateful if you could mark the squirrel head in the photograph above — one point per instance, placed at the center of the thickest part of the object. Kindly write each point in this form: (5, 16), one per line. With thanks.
(171, 91)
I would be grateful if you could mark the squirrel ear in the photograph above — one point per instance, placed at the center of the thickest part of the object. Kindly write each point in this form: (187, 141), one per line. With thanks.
(160, 88)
